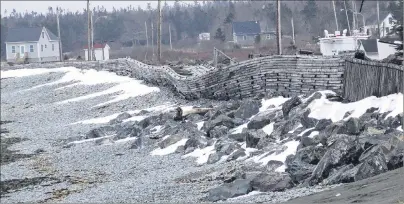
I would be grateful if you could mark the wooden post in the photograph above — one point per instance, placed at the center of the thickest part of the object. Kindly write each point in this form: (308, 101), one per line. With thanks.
(88, 31)
(159, 32)
(169, 31)
(378, 20)
(402, 82)
(293, 33)
(278, 27)
(147, 38)
(335, 14)
(347, 19)
(152, 39)
(60, 40)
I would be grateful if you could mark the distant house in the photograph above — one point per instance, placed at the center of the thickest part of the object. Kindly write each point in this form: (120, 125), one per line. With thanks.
(31, 44)
(369, 46)
(386, 24)
(246, 33)
(101, 52)
(204, 36)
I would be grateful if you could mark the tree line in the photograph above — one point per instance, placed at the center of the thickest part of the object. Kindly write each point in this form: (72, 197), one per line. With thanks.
(127, 26)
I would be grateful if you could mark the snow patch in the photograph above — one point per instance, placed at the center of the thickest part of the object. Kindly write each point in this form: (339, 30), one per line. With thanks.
(314, 133)
(200, 124)
(157, 129)
(246, 195)
(238, 129)
(268, 129)
(276, 101)
(202, 155)
(299, 126)
(400, 128)
(325, 109)
(304, 131)
(32, 72)
(168, 150)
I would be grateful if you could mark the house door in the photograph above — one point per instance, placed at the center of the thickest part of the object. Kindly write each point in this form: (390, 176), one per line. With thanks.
(22, 49)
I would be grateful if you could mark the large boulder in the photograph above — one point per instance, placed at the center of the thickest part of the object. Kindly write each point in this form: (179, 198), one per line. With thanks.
(343, 149)
(221, 120)
(306, 121)
(272, 165)
(373, 162)
(126, 131)
(226, 147)
(172, 139)
(253, 137)
(218, 131)
(311, 154)
(344, 174)
(121, 117)
(289, 104)
(312, 97)
(214, 157)
(229, 190)
(239, 137)
(236, 154)
(101, 132)
(322, 124)
(298, 170)
(247, 109)
(274, 181)
(196, 141)
(351, 127)
(264, 119)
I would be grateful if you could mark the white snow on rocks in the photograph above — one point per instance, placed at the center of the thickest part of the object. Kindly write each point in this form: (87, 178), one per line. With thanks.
(202, 155)
(200, 124)
(238, 129)
(268, 129)
(325, 109)
(170, 149)
(125, 86)
(276, 101)
(314, 133)
(304, 131)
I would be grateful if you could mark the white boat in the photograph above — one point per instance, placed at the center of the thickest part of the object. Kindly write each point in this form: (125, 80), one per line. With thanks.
(334, 44)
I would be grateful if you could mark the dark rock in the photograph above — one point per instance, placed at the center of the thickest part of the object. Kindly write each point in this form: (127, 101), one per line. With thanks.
(289, 104)
(347, 114)
(272, 182)
(101, 132)
(306, 121)
(126, 131)
(226, 148)
(342, 150)
(371, 165)
(307, 141)
(189, 150)
(39, 151)
(247, 109)
(253, 137)
(345, 174)
(273, 165)
(172, 139)
(121, 117)
(311, 154)
(195, 142)
(371, 110)
(259, 122)
(239, 137)
(221, 120)
(322, 124)
(351, 127)
(137, 144)
(229, 190)
(180, 149)
(214, 157)
(237, 154)
(314, 96)
(218, 131)
(298, 170)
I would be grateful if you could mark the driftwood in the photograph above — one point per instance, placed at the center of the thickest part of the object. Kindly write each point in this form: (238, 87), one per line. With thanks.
(182, 113)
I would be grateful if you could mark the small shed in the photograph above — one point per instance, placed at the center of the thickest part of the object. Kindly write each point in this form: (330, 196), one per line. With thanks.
(101, 52)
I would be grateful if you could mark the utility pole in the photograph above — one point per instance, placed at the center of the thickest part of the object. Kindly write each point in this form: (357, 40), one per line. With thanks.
(89, 30)
(147, 38)
(159, 32)
(347, 19)
(92, 37)
(293, 32)
(335, 14)
(278, 27)
(353, 16)
(169, 31)
(60, 40)
(378, 20)
(152, 38)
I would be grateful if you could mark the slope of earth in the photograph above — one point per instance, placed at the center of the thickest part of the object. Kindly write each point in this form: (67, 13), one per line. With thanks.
(384, 188)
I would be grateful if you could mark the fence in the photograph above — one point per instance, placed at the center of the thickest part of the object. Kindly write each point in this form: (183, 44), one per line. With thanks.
(369, 78)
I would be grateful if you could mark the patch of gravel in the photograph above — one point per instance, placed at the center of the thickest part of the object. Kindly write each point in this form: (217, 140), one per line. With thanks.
(109, 172)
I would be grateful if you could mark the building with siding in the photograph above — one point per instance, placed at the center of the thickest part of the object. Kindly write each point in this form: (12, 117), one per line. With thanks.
(37, 44)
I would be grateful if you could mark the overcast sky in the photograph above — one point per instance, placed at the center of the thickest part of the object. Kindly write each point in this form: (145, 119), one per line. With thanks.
(42, 6)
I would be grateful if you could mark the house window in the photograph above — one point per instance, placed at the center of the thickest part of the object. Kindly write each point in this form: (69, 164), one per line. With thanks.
(41, 48)
(43, 35)
(31, 48)
(268, 36)
(244, 37)
(53, 47)
(387, 30)
(12, 49)
(45, 46)
(22, 49)
(390, 20)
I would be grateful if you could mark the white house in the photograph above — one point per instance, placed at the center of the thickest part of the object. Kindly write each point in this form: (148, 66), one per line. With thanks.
(101, 52)
(386, 24)
(33, 44)
(204, 36)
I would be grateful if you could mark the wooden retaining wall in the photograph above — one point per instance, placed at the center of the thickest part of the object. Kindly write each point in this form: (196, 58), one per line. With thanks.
(369, 78)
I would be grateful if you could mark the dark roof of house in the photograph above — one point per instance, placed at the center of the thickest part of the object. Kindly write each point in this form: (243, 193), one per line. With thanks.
(27, 34)
(96, 45)
(372, 20)
(370, 45)
(247, 27)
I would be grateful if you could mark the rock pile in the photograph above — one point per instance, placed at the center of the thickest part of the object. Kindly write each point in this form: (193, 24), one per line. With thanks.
(328, 152)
